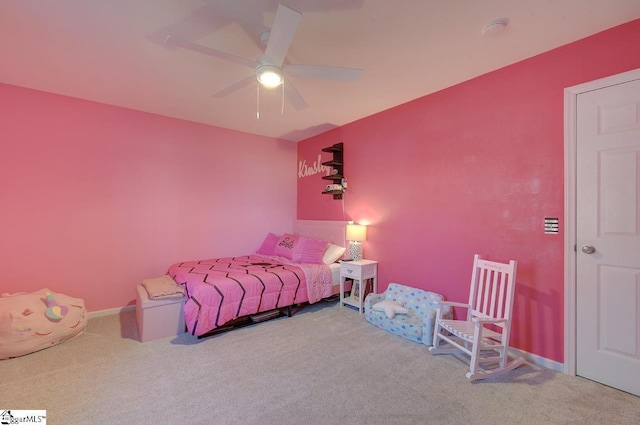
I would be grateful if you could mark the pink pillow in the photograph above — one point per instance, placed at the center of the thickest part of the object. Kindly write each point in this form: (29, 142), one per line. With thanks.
(268, 246)
(286, 245)
(309, 250)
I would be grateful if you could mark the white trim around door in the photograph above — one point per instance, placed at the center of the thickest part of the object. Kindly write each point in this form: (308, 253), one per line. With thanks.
(570, 142)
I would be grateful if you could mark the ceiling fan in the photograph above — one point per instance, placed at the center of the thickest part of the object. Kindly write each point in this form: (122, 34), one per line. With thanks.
(270, 69)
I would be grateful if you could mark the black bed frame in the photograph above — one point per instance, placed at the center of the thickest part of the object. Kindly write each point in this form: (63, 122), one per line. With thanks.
(264, 316)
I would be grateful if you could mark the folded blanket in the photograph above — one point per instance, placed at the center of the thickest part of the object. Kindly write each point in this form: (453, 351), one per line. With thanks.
(162, 287)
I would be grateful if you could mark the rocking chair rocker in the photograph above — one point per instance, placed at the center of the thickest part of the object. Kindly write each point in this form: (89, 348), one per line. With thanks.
(484, 335)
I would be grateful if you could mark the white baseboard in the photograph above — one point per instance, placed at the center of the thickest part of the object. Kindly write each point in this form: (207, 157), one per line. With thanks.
(538, 360)
(111, 311)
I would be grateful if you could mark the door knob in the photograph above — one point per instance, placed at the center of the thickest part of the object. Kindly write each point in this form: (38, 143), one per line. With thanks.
(588, 249)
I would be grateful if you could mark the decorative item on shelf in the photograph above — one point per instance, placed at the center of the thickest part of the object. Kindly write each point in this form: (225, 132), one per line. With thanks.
(356, 233)
(334, 187)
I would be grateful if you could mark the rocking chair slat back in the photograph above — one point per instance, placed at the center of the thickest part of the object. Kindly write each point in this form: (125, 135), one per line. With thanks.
(492, 290)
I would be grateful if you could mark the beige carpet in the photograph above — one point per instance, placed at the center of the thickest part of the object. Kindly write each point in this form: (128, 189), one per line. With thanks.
(325, 365)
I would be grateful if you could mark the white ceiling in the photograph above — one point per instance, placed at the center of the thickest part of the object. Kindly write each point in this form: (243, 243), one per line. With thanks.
(112, 51)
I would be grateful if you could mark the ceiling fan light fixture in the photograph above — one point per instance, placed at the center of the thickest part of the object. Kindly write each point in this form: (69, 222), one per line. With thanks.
(269, 76)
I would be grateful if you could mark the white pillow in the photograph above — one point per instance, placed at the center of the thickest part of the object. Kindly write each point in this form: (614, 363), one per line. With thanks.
(390, 308)
(333, 253)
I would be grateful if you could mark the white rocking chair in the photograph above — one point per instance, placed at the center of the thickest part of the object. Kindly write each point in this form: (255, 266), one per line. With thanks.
(484, 335)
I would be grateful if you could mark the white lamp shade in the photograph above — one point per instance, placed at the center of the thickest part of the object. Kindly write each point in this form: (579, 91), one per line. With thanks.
(356, 232)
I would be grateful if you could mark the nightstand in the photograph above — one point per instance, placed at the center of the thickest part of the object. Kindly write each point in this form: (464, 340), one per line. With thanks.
(359, 271)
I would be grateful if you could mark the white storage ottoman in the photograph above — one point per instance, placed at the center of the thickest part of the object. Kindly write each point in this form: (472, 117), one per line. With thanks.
(158, 318)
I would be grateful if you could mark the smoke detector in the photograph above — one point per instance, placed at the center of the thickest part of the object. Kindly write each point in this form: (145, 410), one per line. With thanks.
(495, 28)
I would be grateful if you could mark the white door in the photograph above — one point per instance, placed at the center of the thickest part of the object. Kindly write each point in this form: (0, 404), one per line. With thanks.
(608, 236)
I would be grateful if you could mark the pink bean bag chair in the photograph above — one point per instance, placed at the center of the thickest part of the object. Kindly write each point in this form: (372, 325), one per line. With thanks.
(33, 321)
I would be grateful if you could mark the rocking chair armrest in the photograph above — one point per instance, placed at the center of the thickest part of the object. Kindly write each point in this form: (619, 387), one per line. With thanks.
(487, 320)
(451, 303)
(444, 309)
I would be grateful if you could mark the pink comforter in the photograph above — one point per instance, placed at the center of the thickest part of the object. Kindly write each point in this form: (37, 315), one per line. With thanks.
(223, 289)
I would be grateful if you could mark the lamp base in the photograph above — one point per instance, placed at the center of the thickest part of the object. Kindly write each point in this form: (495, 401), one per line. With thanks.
(355, 251)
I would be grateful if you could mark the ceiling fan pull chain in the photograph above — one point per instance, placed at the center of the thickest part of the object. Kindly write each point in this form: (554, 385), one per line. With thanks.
(258, 102)
(283, 82)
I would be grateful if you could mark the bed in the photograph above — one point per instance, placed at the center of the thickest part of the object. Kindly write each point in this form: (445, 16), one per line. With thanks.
(287, 271)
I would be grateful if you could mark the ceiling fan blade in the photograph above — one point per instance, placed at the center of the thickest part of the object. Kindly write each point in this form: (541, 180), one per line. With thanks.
(326, 72)
(175, 41)
(281, 35)
(236, 85)
(294, 97)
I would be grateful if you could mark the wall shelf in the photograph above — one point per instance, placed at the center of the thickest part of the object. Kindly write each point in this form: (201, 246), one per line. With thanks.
(337, 169)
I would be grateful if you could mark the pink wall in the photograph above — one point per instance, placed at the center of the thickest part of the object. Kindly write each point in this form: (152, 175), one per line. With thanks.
(96, 198)
(471, 169)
